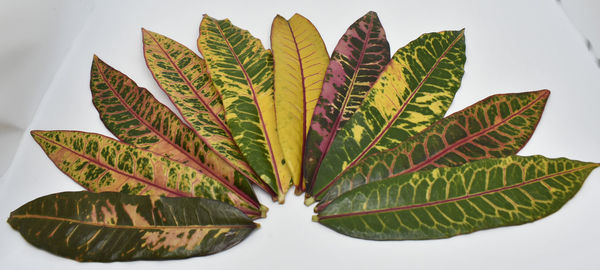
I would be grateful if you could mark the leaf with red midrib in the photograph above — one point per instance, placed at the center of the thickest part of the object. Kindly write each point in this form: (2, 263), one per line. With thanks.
(497, 126)
(100, 163)
(359, 57)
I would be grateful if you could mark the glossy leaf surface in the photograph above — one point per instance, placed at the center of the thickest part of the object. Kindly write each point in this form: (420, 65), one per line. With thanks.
(359, 57)
(300, 60)
(133, 115)
(415, 90)
(497, 126)
(112, 226)
(99, 163)
(242, 71)
(184, 77)
(444, 202)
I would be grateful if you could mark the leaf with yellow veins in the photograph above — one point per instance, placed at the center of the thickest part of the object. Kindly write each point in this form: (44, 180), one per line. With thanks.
(300, 60)
(183, 76)
(113, 226)
(99, 164)
(414, 90)
(242, 71)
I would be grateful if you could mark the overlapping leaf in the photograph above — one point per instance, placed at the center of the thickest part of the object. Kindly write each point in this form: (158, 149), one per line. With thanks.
(133, 115)
(359, 57)
(99, 163)
(242, 71)
(444, 202)
(415, 90)
(114, 226)
(497, 126)
(183, 76)
(300, 59)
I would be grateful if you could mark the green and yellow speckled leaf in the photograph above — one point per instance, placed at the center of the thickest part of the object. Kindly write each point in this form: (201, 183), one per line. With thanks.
(99, 163)
(242, 71)
(414, 90)
(359, 57)
(133, 115)
(300, 60)
(445, 202)
(113, 226)
(183, 76)
(497, 126)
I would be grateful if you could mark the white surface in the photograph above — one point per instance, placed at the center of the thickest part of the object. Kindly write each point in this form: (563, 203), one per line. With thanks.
(36, 35)
(512, 46)
(585, 15)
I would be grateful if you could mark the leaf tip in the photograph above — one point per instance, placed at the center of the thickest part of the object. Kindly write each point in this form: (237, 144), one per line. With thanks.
(545, 92)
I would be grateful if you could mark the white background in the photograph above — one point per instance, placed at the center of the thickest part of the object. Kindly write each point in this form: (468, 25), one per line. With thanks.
(512, 46)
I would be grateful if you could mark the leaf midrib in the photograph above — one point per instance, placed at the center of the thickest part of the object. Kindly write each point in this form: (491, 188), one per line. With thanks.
(117, 226)
(434, 203)
(384, 130)
(303, 79)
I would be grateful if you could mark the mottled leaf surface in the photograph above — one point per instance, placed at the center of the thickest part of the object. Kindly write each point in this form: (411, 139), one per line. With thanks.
(300, 60)
(133, 115)
(242, 71)
(497, 126)
(99, 163)
(184, 77)
(112, 226)
(444, 202)
(415, 90)
(359, 57)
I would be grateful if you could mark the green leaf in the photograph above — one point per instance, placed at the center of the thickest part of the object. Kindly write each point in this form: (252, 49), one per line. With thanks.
(497, 126)
(99, 163)
(444, 202)
(242, 72)
(414, 90)
(114, 226)
(359, 57)
(183, 76)
(133, 115)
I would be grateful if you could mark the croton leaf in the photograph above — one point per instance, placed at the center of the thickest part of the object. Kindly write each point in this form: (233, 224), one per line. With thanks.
(113, 226)
(300, 59)
(242, 71)
(183, 76)
(359, 57)
(497, 126)
(414, 90)
(444, 202)
(100, 163)
(133, 115)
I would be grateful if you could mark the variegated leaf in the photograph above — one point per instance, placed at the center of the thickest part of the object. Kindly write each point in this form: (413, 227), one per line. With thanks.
(99, 163)
(497, 126)
(242, 71)
(300, 59)
(444, 202)
(112, 226)
(415, 90)
(183, 76)
(133, 115)
(359, 57)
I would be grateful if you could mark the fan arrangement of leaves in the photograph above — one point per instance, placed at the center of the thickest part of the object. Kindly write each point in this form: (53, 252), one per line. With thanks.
(361, 133)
